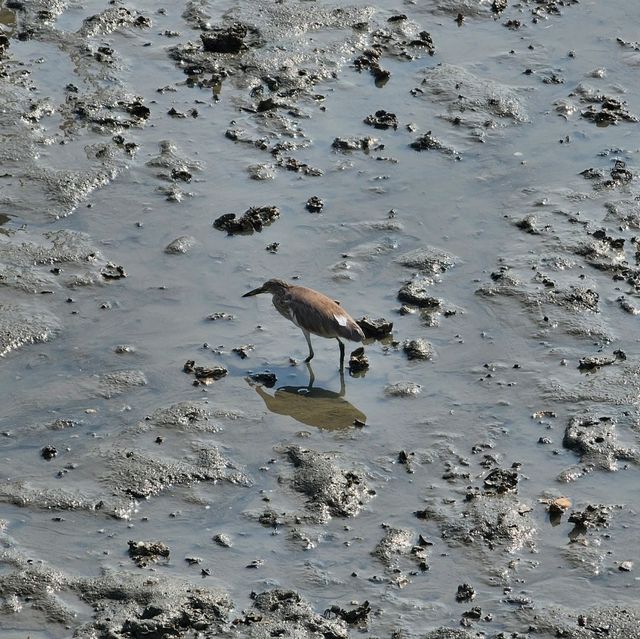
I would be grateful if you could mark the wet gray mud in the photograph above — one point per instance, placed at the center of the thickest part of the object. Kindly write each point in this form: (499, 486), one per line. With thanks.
(462, 176)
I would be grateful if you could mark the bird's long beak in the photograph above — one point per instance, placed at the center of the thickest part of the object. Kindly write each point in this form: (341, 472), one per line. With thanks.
(255, 291)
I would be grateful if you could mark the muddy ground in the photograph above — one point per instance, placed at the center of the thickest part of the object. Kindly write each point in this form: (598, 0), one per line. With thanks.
(462, 174)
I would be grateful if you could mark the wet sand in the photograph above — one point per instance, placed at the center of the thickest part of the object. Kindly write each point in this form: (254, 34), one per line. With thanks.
(464, 170)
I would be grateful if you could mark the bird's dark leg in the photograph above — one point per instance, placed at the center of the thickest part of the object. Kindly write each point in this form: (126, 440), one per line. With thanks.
(312, 377)
(341, 354)
(308, 338)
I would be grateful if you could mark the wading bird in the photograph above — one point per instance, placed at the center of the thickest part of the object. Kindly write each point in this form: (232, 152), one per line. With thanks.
(312, 312)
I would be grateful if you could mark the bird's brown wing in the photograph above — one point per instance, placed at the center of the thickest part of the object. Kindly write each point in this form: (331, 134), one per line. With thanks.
(320, 315)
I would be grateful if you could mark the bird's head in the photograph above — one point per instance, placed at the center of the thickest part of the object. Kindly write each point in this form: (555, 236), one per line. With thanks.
(273, 286)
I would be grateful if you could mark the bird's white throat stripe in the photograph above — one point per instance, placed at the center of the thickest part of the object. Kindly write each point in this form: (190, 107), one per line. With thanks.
(341, 319)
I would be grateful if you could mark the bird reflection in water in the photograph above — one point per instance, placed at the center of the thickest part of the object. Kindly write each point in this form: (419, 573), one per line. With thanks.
(317, 407)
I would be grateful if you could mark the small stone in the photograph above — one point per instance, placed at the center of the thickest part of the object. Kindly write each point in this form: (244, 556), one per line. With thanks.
(382, 119)
(626, 566)
(358, 361)
(225, 40)
(49, 452)
(243, 351)
(252, 220)
(267, 378)
(223, 540)
(145, 552)
(403, 389)
(418, 349)
(559, 505)
(314, 204)
(416, 292)
(181, 245)
(465, 593)
(121, 349)
(113, 272)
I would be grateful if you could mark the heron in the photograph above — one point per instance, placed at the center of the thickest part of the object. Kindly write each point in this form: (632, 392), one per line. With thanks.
(311, 312)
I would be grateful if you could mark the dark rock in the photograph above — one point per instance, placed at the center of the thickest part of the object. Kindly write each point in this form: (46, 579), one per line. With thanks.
(418, 349)
(113, 272)
(254, 219)
(266, 378)
(475, 613)
(382, 119)
(592, 517)
(181, 174)
(529, 224)
(424, 39)
(223, 540)
(353, 144)
(428, 142)
(174, 113)
(375, 328)
(594, 362)
(205, 375)
(242, 351)
(225, 40)
(291, 164)
(314, 204)
(358, 616)
(416, 292)
(370, 60)
(612, 111)
(138, 110)
(189, 365)
(620, 174)
(498, 6)
(465, 593)
(268, 104)
(146, 552)
(501, 481)
(358, 361)
(49, 452)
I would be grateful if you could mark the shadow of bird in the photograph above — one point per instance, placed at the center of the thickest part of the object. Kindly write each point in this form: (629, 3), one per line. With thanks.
(316, 407)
